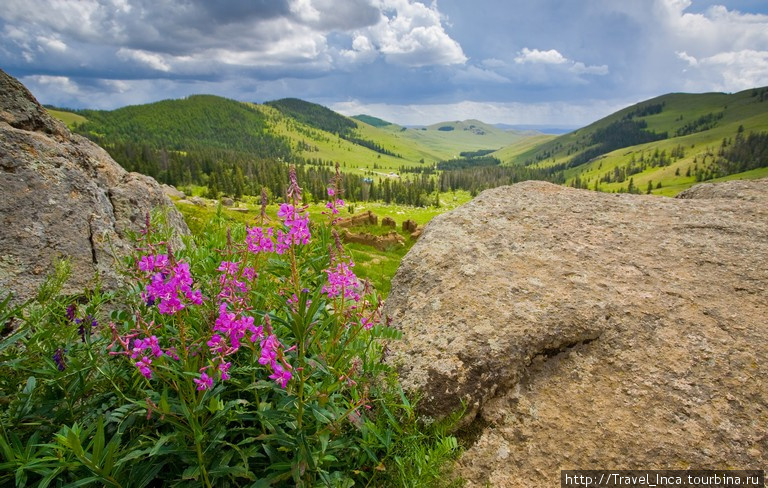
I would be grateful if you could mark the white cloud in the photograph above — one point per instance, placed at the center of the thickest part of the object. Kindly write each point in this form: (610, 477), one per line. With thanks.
(535, 56)
(51, 44)
(61, 84)
(153, 60)
(581, 69)
(728, 71)
(411, 34)
(363, 51)
(473, 74)
(553, 57)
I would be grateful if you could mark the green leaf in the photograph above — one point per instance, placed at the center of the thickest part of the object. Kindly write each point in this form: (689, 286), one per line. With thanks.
(98, 441)
(191, 473)
(215, 404)
(323, 416)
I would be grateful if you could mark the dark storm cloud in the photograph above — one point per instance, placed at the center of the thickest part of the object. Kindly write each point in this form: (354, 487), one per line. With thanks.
(504, 58)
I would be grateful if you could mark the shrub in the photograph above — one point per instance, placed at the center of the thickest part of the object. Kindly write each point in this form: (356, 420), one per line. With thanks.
(252, 356)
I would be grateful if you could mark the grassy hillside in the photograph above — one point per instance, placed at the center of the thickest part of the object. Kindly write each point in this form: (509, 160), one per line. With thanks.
(371, 120)
(70, 118)
(198, 121)
(676, 140)
(448, 140)
(662, 145)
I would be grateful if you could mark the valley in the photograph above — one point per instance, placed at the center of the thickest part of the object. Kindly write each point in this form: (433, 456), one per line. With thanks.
(212, 147)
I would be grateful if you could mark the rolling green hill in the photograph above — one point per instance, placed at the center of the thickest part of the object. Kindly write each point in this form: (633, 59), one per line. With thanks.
(371, 120)
(71, 119)
(676, 140)
(662, 146)
(235, 148)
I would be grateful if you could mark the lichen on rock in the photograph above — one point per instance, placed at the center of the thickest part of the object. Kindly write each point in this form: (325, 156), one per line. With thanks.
(63, 197)
(587, 330)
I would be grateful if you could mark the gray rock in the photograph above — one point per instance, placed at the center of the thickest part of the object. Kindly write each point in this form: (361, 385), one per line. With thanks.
(591, 330)
(198, 201)
(173, 192)
(63, 197)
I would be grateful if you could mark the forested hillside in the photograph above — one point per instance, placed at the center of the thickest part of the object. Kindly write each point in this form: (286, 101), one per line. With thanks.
(662, 145)
(231, 148)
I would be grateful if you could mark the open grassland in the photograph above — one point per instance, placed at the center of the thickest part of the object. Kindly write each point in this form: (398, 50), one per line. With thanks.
(375, 265)
(409, 147)
(680, 174)
(470, 135)
(69, 118)
(511, 152)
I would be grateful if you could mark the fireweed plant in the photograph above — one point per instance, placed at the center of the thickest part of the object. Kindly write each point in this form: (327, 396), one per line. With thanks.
(248, 357)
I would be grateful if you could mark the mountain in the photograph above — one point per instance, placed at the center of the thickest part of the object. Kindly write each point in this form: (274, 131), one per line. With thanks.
(371, 120)
(662, 145)
(236, 148)
(676, 140)
(198, 121)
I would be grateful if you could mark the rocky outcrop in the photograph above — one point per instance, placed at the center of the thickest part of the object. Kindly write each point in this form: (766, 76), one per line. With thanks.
(382, 242)
(591, 330)
(63, 197)
(365, 218)
(388, 222)
(410, 226)
(173, 192)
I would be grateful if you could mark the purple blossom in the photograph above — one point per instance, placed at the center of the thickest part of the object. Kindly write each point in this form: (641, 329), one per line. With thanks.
(259, 239)
(342, 280)
(269, 347)
(366, 323)
(71, 312)
(204, 383)
(58, 358)
(168, 285)
(298, 228)
(141, 345)
(280, 375)
(224, 370)
(229, 268)
(81, 325)
(232, 327)
(143, 366)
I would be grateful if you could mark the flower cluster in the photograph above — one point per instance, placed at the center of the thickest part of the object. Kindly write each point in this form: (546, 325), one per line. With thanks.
(142, 350)
(342, 281)
(259, 239)
(169, 284)
(234, 325)
(262, 239)
(334, 203)
(298, 228)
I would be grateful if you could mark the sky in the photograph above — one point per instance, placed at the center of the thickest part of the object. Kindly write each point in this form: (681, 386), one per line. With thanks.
(560, 63)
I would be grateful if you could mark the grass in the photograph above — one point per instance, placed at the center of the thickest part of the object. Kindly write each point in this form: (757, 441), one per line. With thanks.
(69, 118)
(413, 147)
(377, 266)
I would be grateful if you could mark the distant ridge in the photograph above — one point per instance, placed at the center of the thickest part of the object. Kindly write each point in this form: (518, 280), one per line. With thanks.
(371, 120)
(543, 129)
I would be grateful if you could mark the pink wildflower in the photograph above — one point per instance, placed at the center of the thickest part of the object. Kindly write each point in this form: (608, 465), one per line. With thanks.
(204, 383)
(342, 280)
(269, 348)
(280, 375)
(229, 268)
(259, 239)
(143, 366)
(224, 370)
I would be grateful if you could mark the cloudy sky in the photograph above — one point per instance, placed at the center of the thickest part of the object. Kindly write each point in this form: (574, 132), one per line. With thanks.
(561, 63)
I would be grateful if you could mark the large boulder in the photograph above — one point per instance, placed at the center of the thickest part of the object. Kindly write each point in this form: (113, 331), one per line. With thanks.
(63, 197)
(590, 330)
